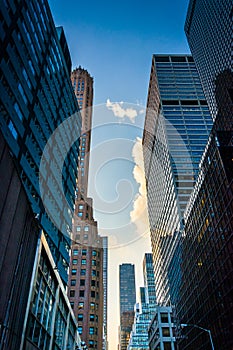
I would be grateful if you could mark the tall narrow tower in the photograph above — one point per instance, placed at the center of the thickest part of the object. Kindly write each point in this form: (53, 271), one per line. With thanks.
(86, 265)
(83, 88)
(127, 302)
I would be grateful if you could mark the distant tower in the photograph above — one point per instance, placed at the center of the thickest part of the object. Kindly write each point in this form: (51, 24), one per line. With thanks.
(105, 287)
(149, 279)
(83, 88)
(127, 302)
(145, 310)
(86, 268)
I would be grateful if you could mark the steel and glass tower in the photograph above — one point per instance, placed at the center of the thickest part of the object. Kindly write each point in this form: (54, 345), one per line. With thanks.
(36, 98)
(127, 302)
(208, 28)
(176, 130)
(207, 286)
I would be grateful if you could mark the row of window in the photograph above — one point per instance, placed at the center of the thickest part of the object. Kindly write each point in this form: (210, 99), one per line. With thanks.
(94, 273)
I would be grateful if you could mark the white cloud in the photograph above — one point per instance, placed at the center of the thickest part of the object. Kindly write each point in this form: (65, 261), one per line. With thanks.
(139, 214)
(120, 112)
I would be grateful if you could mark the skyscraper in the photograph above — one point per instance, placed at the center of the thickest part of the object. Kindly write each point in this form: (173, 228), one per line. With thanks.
(105, 287)
(176, 130)
(127, 302)
(82, 84)
(86, 265)
(149, 279)
(207, 268)
(208, 28)
(145, 310)
(36, 98)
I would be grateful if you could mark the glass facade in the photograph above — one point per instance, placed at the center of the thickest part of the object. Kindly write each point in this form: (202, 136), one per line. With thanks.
(127, 302)
(207, 286)
(145, 311)
(37, 96)
(50, 323)
(176, 130)
(208, 28)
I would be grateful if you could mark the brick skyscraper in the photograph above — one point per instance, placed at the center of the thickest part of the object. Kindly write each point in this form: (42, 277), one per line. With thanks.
(86, 268)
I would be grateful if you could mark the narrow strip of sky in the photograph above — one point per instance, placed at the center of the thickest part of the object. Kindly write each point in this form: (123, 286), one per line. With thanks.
(115, 41)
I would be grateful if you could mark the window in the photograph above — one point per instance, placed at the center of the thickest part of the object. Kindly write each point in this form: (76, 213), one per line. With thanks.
(80, 214)
(82, 283)
(75, 252)
(80, 329)
(91, 330)
(74, 261)
(93, 252)
(167, 346)
(80, 317)
(73, 282)
(84, 252)
(81, 305)
(81, 293)
(93, 283)
(83, 272)
(83, 262)
(73, 271)
(166, 332)
(92, 306)
(72, 293)
(93, 262)
(18, 111)
(86, 228)
(78, 228)
(92, 317)
(164, 317)
(12, 130)
(80, 206)
(93, 272)
(85, 236)
(72, 304)
(21, 90)
(92, 294)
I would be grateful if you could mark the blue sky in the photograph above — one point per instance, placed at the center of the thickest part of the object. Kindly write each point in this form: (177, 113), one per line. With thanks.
(115, 41)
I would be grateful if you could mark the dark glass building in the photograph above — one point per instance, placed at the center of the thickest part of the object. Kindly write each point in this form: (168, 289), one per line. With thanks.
(19, 234)
(208, 28)
(127, 302)
(36, 97)
(176, 130)
(207, 268)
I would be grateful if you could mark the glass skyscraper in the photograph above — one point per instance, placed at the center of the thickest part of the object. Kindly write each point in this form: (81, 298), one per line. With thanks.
(208, 28)
(145, 311)
(36, 97)
(176, 130)
(207, 268)
(127, 302)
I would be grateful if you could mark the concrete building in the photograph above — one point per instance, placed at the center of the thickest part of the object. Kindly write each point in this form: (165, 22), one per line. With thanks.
(207, 269)
(86, 279)
(176, 130)
(36, 98)
(49, 321)
(162, 330)
(127, 302)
